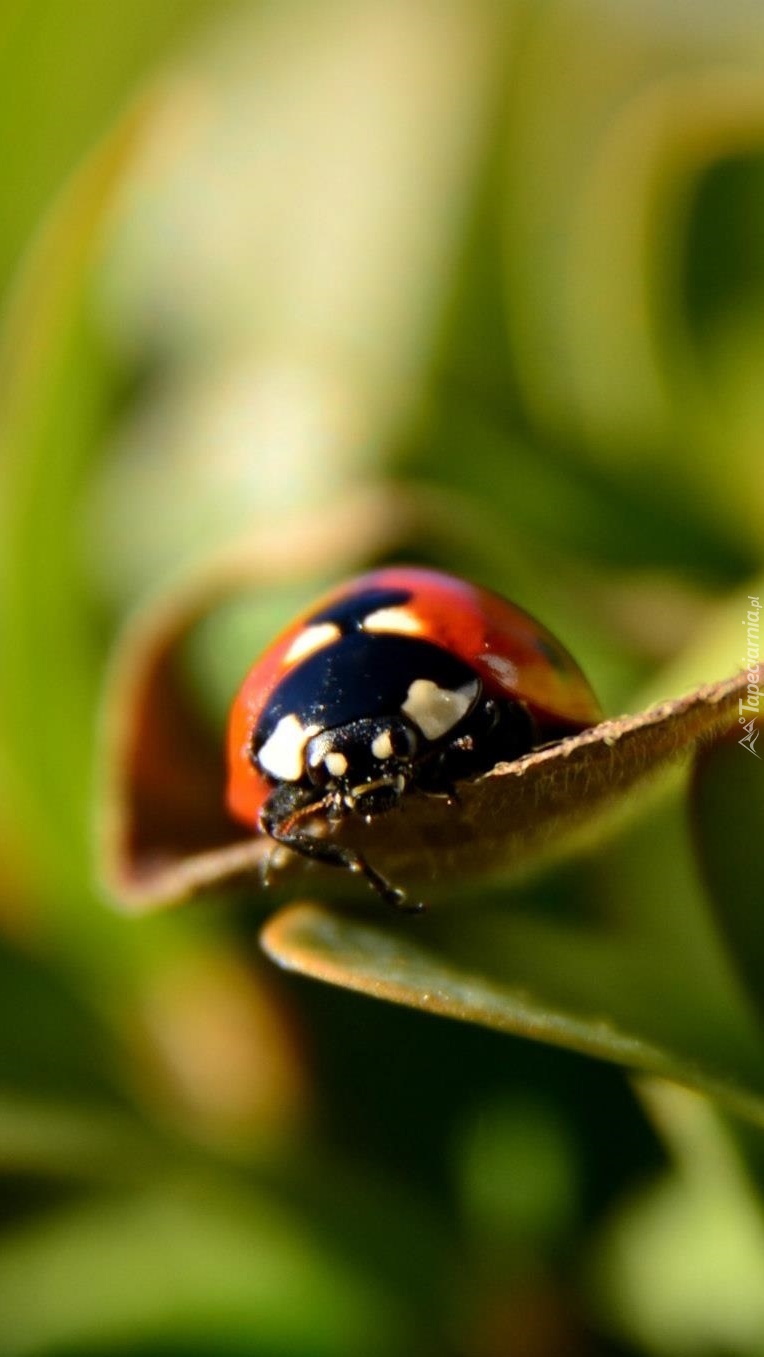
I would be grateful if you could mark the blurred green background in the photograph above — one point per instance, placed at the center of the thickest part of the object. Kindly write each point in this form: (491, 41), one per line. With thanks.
(273, 262)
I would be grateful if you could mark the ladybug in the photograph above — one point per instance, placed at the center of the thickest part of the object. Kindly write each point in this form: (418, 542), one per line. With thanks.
(401, 680)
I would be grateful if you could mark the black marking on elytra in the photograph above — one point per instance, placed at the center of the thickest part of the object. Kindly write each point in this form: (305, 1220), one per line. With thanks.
(360, 675)
(350, 613)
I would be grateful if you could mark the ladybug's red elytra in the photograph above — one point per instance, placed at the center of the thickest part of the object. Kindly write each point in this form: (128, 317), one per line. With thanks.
(399, 680)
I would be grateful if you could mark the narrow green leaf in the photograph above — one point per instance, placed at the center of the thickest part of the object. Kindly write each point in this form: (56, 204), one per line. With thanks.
(50, 398)
(479, 973)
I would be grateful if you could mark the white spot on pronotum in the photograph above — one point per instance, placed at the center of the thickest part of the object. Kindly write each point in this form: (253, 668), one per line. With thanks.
(336, 764)
(503, 668)
(282, 753)
(400, 621)
(311, 639)
(382, 745)
(436, 710)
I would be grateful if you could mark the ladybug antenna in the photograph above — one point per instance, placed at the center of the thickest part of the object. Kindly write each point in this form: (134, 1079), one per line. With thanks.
(281, 818)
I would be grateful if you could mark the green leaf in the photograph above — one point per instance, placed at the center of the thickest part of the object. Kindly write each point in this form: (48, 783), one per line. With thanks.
(195, 1264)
(618, 122)
(42, 45)
(50, 1139)
(55, 389)
(679, 1267)
(52, 393)
(588, 990)
(728, 799)
(633, 971)
(299, 318)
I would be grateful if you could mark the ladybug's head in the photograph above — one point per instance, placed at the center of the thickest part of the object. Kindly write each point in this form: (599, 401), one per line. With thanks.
(368, 763)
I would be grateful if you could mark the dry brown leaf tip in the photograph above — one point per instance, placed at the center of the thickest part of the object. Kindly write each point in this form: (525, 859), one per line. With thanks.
(506, 820)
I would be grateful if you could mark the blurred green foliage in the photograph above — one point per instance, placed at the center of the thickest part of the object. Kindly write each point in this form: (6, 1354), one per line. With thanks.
(255, 257)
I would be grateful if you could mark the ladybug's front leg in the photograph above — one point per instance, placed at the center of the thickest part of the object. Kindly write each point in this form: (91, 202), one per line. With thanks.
(281, 818)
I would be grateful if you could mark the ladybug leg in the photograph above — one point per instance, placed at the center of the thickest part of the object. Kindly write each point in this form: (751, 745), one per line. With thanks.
(280, 818)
